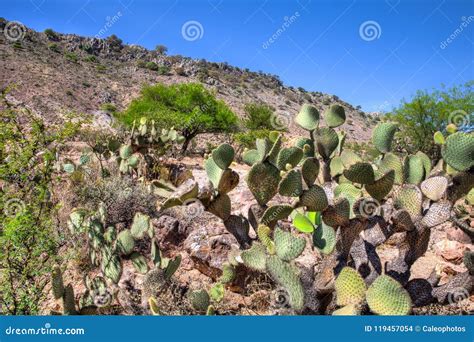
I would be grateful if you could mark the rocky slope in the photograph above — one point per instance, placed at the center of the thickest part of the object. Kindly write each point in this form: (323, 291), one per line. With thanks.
(54, 74)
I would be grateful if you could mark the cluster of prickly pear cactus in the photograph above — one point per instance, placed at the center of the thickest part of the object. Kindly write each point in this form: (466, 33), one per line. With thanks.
(146, 144)
(350, 207)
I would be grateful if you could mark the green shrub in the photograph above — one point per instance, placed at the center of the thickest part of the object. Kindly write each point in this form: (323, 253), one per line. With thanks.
(258, 116)
(51, 34)
(163, 70)
(161, 49)
(190, 108)
(152, 66)
(247, 139)
(54, 47)
(108, 107)
(101, 68)
(90, 59)
(71, 56)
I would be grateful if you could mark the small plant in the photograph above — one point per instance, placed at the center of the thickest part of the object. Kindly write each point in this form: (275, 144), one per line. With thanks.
(54, 47)
(152, 66)
(71, 56)
(161, 49)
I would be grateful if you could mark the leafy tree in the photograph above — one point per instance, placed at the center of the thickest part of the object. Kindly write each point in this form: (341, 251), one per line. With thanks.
(28, 234)
(189, 108)
(258, 116)
(161, 49)
(428, 112)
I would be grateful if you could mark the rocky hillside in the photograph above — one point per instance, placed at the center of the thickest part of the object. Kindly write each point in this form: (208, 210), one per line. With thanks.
(54, 74)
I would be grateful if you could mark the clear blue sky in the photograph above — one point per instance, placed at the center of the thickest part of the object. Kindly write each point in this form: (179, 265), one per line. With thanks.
(322, 47)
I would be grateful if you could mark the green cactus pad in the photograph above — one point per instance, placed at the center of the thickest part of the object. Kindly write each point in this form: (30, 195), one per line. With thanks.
(309, 151)
(326, 141)
(435, 187)
(111, 266)
(255, 257)
(350, 287)
(250, 157)
(217, 292)
(335, 115)
(221, 206)
(57, 282)
(214, 172)
(382, 186)
(199, 300)
(391, 162)
(342, 139)
(288, 246)
(336, 166)
(229, 180)
(382, 136)
(263, 180)
(263, 234)
(438, 138)
(153, 282)
(139, 262)
(347, 190)
(409, 197)
(402, 221)
(76, 219)
(361, 173)
(275, 150)
(228, 273)
(287, 276)
(223, 155)
(337, 214)
(141, 224)
(310, 170)
(413, 169)
(291, 184)
(348, 310)
(387, 297)
(314, 198)
(308, 117)
(458, 152)
(172, 266)
(125, 242)
(155, 252)
(426, 162)
(125, 151)
(324, 238)
(349, 158)
(275, 213)
(263, 147)
(290, 155)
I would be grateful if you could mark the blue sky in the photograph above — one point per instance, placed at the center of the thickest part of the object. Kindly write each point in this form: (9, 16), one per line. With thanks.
(369, 53)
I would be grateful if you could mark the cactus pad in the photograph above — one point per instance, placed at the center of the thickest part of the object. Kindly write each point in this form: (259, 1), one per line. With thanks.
(458, 152)
(214, 172)
(409, 198)
(335, 115)
(326, 141)
(199, 300)
(336, 166)
(228, 273)
(250, 157)
(391, 162)
(229, 180)
(262, 180)
(435, 187)
(125, 242)
(141, 224)
(314, 198)
(291, 184)
(263, 233)
(288, 246)
(350, 287)
(223, 155)
(221, 206)
(308, 152)
(361, 173)
(382, 136)
(290, 155)
(57, 282)
(387, 297)
(337, 214)
(308, 117)
(255, 257)
(382, 186)
(413, 170)
(324, 238)
(275, 213)
(310, 170)
(286, 275)
(438, 213)
(139, 263)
